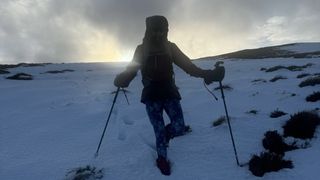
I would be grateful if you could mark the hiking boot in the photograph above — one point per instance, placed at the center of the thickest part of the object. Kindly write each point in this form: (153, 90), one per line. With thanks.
(164, 165)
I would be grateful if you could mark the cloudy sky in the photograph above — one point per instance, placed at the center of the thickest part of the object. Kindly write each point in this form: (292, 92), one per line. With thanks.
(109, 30)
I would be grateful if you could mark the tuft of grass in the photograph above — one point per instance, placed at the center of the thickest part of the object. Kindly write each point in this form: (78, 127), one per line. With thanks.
(275, 68)
(277, 113)
(252, 112)
(259, 80)
(315, 96)
(225, 87)
(311, 81)
(276, 78)
(84, 173)
(267, 162)
(263, 69)
(303, 75)
(58, 71)
(219, 121)
(301, 125)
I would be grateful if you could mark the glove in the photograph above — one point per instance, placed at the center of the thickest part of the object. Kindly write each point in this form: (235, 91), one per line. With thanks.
(214, 75)
(121, 80)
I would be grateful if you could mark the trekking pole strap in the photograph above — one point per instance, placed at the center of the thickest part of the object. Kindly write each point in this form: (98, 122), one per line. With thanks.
(214, 96)
(125, 95)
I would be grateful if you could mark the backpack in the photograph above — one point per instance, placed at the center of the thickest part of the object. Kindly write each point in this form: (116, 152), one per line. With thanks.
(157, 67)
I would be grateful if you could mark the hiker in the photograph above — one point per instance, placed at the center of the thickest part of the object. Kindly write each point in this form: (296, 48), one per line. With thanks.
(155, 58)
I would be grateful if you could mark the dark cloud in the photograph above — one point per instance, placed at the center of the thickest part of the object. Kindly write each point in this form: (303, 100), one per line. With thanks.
(59, 30)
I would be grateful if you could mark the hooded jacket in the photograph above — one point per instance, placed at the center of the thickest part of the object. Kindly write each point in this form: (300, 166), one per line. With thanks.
(155, 58)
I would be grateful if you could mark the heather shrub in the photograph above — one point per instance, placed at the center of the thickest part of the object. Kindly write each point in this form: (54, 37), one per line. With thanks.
(311, 81)
(273, 142)
(267, 162)
(277, 113)
(315, 96)
(301, 125)
(20, 76)
(276, 78)
(303, 75)
(84, 173)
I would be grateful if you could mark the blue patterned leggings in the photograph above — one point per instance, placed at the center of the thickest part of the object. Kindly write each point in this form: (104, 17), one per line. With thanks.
(155, 112)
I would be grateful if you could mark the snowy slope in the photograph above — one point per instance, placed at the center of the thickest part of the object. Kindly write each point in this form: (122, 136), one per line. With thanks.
(53, 123)
(294, 50)
(302, 47)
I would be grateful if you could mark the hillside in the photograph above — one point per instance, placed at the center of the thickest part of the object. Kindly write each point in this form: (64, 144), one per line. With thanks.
(295, 50)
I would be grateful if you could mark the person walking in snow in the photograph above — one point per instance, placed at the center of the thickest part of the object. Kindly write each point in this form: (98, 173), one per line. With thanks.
(155, 58)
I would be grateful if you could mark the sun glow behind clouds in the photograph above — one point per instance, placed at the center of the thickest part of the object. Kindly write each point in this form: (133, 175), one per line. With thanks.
(100, 45)
(82, 31)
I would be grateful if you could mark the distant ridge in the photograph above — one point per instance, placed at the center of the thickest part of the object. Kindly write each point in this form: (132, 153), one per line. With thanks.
(295, 50)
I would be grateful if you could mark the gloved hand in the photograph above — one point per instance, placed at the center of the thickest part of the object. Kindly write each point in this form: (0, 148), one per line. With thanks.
(214, 75)
(121, 80)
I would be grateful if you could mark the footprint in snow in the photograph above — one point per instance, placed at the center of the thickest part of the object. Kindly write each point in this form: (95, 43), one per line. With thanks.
(122, 136)
(127, 121)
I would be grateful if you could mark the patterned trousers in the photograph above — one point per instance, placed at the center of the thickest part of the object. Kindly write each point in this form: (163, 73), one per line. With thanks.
(176, 128)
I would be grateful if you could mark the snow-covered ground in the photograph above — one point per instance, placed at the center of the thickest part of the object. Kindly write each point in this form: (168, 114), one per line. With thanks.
(52, 124)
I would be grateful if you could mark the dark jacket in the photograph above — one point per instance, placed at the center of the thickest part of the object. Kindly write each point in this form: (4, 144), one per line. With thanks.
(157, 71)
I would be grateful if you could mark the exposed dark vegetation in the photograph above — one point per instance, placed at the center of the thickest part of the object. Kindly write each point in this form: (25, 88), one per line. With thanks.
(58, 71)
(267, 162)
(277, 113)
(303, 75)
(85, 173)
(273, 142)
(301, 125)
(20, 76)
(290, 68)
(252, 112)
(276, 78)
(7, 66)
(3, 71)
(259, 80)
(311, 81)
(315, 96)
(219, 121)
(226, 87)
(267, 52)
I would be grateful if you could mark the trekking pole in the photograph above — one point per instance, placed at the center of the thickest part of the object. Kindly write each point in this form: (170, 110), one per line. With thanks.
(105, 127)
(228, 120)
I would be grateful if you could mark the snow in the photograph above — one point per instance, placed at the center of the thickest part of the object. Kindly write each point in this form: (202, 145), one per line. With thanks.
(302, 47)
(52, 124)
